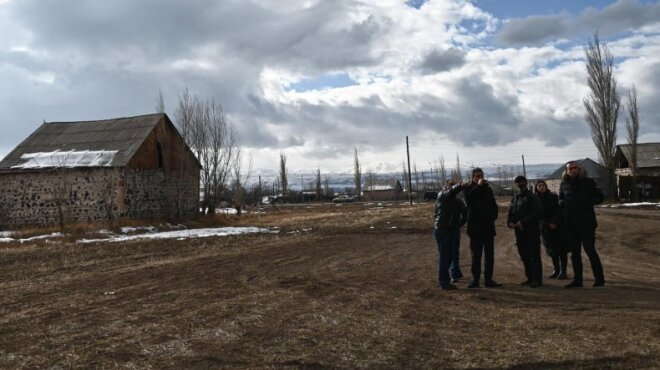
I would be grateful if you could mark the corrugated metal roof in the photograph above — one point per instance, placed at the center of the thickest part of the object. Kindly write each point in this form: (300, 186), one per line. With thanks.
(123, 135)
(593, 169)
(648, 154)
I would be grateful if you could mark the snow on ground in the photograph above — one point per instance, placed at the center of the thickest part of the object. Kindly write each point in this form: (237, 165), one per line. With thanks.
(639, 204)
(9, 239)
(184, 234)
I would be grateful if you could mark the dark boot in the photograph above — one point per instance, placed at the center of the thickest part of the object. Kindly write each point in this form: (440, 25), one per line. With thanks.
(563, 263)
(557, 267)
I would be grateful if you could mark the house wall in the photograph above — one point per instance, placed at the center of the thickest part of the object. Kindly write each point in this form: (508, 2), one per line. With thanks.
(94, 196)
(33, 198)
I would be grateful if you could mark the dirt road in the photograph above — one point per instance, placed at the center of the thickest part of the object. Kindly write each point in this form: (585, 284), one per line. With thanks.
(340, 286)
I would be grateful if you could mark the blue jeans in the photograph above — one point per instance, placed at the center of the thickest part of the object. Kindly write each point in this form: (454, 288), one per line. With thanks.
(448, 241)
(455, 267)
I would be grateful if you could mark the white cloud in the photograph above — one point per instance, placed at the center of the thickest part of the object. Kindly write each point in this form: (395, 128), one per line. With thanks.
(432, 73)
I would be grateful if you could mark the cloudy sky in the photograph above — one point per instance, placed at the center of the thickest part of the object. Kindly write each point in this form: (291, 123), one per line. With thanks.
(488, 79)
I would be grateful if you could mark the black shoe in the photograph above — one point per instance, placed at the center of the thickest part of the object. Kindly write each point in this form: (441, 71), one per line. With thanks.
(449, 287)
(554, 275)
(458, 276)
(562, 276)
(454, 280)
(599, 283)
(535, 284)
(492, 284)
(573, 284)
(473, 285)
(526, 282)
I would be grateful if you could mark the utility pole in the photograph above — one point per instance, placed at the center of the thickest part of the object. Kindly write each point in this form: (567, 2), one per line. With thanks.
(409, 176)
(524, 169)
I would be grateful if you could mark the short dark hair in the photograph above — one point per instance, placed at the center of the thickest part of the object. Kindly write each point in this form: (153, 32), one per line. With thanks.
(520, 179)
(477, 170)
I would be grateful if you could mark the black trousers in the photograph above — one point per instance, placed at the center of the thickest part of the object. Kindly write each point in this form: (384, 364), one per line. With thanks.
(585, 237)
(528, 241)
(479, 245)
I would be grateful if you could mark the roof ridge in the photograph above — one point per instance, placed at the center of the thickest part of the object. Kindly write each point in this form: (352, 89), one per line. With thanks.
(107, 119)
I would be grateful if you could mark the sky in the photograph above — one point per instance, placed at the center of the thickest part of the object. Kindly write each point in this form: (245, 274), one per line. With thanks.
(489, 80)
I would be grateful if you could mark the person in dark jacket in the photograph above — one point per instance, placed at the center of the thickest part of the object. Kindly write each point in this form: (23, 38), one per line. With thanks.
(552, 230)
(450, 215)
(482, 213)
(578, 195)
(525, 212)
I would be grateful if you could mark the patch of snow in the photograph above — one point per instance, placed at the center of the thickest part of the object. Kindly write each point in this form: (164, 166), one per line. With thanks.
(226, 211)
(5, 234)
(130, 229)
(183, 234)
(639, 204)
(9, 240)
(72, 158)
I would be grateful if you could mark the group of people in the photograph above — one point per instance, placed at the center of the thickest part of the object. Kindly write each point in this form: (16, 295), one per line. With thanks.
(565, 222)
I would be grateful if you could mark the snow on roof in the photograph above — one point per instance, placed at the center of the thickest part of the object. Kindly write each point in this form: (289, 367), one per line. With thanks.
(72, 158)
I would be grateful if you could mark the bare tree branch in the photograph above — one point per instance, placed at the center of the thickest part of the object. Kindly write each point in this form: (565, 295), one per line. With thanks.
(603, 103)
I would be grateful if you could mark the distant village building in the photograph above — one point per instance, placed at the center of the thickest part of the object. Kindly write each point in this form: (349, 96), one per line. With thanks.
(383, 192)
(648, 166)
(97, 171)
(589, 167)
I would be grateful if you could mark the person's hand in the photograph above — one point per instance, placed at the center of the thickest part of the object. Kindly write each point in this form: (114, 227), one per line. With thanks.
(518, 225)
(481, 182)
(511, 225)
(552, 226)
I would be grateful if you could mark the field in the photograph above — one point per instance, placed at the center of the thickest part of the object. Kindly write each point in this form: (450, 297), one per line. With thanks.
(340, 286)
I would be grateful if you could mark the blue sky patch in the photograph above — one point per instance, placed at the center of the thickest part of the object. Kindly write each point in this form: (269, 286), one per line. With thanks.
(524, 8)
(415, 3)
(327, 81)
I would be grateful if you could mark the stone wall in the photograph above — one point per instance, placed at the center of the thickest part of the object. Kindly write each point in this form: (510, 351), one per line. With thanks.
(94, 196)
(34, 198)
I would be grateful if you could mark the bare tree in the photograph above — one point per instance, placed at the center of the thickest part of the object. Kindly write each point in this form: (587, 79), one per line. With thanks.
(405, 174)
(458, 177)
(603, 103)
(326, 187)
(283, 174)
(443, 172)
(416, 174)
(160, 102)
(371, 179)
(212, 139)
(318, 183)
(184, 116)
(241, 178)
(632, 128)
(357, 174)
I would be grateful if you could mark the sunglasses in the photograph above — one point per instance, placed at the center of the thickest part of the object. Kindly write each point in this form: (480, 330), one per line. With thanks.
(573, 168)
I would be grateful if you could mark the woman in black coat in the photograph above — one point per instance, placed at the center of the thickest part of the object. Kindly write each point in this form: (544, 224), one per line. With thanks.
(552, 231)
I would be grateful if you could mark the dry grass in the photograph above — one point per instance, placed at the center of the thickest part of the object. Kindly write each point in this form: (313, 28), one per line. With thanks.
(342, 294)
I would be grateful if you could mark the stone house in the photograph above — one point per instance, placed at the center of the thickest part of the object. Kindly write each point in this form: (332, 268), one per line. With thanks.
(589, 167)
(99, 171)
(648, 167)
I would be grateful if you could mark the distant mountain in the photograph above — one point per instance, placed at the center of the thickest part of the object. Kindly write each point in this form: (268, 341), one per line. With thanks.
(384, 172)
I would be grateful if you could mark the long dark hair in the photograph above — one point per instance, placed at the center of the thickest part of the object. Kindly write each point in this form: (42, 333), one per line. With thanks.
(536, 191)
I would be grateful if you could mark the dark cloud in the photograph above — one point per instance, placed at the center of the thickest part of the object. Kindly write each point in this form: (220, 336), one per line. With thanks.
(533, 30)
(442, 60)
(621, 16)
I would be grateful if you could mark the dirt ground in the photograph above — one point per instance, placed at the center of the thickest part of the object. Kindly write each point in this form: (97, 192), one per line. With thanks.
(340, 286)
